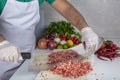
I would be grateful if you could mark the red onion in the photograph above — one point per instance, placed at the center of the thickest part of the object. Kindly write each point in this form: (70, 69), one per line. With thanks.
(52, 44)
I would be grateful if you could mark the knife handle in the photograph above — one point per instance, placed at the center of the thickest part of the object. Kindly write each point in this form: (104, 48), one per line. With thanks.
(26, 55)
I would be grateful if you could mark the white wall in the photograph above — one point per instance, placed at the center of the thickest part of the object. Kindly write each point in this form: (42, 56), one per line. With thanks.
(102, 15)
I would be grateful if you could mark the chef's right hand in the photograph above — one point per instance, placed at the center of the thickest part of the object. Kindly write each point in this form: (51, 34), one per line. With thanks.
(90, 38)
(9, 52)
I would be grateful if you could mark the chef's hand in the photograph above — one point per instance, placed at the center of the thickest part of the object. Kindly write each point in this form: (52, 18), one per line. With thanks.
(9, 52)
(90, 38)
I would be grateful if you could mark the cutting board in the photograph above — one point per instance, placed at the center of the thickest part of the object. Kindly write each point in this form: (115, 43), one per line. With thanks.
(48, 75)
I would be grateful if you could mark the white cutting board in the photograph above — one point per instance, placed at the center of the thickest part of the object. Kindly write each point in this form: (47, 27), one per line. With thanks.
(48, 75)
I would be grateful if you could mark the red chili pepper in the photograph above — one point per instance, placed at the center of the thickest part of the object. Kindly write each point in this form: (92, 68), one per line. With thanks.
(107, 53)
(101, 58)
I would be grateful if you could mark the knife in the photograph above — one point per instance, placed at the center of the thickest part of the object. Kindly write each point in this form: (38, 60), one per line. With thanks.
(25, 55)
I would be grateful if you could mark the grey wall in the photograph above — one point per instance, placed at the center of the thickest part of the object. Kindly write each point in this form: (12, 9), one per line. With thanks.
(102, 15)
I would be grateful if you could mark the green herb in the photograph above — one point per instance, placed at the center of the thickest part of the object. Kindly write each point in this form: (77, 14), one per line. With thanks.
(61, 27)
(108, 42)
(118, 48)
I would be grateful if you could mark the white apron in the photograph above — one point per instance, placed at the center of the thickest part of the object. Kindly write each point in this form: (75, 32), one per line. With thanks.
(17, 25)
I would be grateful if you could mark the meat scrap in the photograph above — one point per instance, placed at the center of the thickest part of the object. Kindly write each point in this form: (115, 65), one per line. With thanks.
(61, 56)
(72, 69)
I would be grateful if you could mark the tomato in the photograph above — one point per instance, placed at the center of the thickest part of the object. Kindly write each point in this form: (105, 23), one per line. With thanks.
(103, 45)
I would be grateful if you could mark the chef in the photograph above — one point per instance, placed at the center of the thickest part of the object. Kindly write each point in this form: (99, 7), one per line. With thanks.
(18, 19)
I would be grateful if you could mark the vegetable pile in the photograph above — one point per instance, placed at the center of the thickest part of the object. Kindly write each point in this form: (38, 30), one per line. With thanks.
(60, 35)
(108, 50)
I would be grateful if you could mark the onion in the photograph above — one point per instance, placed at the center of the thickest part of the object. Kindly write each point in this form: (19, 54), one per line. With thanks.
(42, 43)
(1, 38)
(52, 44)
(57, 40)
(63, 42)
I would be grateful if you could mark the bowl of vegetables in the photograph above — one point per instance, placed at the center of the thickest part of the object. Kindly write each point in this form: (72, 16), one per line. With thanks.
(59, 35)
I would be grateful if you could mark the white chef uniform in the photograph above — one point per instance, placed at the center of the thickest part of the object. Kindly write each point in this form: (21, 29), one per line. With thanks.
(17, 25)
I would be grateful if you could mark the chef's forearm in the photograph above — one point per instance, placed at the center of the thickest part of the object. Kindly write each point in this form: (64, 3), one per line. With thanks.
(73, 16)
(70, 13)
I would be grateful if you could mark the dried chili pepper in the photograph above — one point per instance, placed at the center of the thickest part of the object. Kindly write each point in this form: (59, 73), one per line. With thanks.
(108, 51)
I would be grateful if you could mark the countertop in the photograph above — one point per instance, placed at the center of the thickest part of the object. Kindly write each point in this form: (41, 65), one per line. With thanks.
(103, 70)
